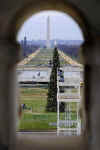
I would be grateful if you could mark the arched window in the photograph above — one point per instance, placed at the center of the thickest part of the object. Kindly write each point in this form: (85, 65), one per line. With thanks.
(38, 37)
(8, 64)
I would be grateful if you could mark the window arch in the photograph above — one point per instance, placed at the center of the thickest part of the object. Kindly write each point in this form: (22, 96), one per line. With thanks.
(27, 10)
(71, 10)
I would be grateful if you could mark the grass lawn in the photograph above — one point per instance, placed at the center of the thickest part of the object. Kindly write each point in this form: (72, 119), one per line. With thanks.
(44, 56)
(37, 122)
(34, 117)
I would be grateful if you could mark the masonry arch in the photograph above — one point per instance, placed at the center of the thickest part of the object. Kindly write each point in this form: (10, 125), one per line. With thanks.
(34, 7)
(27, 9)
(12, 15)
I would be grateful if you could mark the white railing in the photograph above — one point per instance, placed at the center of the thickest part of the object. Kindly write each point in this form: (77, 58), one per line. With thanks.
(68, 96)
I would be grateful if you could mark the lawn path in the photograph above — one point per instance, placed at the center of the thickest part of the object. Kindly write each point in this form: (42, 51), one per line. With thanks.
(29, 58)
(69, 59)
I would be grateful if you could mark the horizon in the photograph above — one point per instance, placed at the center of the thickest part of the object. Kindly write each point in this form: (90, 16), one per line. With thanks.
(51, 39)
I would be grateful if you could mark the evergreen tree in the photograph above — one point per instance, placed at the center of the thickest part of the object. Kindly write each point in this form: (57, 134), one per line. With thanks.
(52, 89)
(56, 61)
(52, 94)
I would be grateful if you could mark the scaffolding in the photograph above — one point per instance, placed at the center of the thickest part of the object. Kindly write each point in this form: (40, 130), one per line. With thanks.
(68, 85)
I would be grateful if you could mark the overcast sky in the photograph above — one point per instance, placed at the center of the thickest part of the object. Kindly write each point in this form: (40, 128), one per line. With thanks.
(61, 27)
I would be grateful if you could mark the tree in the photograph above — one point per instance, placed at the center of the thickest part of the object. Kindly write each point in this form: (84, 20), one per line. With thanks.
(52, 89)
(52, 96)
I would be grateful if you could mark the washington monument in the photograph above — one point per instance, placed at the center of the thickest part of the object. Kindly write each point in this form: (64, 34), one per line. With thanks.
(48, 32)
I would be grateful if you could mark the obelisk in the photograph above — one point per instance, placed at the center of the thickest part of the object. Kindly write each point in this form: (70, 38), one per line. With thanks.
(48, 32)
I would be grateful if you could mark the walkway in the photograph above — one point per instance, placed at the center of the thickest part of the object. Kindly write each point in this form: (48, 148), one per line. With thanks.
(69, 59)
(29, 58)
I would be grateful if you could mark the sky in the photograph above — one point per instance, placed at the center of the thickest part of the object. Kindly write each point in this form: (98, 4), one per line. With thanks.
(62, 26)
